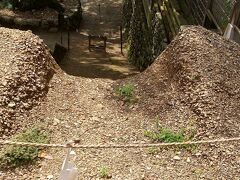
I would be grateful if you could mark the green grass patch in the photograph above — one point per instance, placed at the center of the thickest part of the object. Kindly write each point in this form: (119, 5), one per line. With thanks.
(165, 135)
(127, 93)
(104, 173)
(169, 136)
(152, 150)
(16, 156)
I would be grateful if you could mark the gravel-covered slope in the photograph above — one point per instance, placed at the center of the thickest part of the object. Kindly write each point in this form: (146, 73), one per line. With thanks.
(26, 67)
(77, 108)
(195, 82)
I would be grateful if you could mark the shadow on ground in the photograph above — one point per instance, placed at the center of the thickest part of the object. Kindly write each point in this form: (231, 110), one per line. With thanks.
(79, 61)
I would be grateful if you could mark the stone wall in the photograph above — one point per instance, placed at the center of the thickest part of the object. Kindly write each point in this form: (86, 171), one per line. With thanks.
(17, 22)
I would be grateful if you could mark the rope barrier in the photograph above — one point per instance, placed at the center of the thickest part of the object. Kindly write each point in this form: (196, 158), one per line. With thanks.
(75, 144)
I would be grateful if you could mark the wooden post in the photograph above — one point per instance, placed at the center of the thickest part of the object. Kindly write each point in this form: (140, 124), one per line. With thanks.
(61, 37)
(89, 42)
(99, 12)
(235, 16)
(60, 25)
(121, 39)
(105, 44)
(68, 40)
(232, 30)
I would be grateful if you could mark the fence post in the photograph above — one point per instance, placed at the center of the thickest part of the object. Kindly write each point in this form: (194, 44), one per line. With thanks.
(89, 43)
(68, 32)
(61, 37)
(60, 25)
(232, 25)
(235, 15)
(121, 39)
(99, 12)
(69, 170)
(68, 40)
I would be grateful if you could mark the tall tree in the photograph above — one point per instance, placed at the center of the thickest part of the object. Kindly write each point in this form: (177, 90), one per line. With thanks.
(127, 12)
(140, 37)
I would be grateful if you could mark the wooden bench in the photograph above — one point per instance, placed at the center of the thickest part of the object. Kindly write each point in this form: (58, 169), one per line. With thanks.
(97, 38)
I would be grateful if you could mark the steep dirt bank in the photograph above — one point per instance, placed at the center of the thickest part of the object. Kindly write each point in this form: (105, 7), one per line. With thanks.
(194, 82)
(26, 67)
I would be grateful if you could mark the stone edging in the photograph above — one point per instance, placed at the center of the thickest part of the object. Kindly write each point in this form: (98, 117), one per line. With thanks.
(19, 22)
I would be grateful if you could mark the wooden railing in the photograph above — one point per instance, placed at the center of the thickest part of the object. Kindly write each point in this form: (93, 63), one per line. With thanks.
(212, 14)
(217, 12)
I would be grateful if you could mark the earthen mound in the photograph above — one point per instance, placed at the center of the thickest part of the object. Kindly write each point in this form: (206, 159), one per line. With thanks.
(194, 84)
(26, 67)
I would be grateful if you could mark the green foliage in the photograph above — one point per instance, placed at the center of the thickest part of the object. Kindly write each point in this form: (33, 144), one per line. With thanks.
(5, 4)
(37, 4)
(144, 32)
(158, 35)
(18, 156)
(75, 20)
(140, 38)
(126, 92)
(104, 172)
(165, 135)
(224, 19)
(127, 15)
(153, 150)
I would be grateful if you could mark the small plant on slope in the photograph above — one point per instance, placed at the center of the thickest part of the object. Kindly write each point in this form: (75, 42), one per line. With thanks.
(104, 173)
(127, 92)
(165, 135)
(18, 156)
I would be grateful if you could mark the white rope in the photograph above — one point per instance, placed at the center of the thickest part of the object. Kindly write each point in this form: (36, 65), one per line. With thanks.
(76, 144)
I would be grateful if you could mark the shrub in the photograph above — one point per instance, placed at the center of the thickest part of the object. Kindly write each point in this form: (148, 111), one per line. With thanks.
(37, 4)
(5, 4)
(126, 92)
(104, 173)
(18, 156)
(165, 135)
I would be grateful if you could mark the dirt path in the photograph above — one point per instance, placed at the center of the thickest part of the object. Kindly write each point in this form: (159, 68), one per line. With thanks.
(95, 64)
